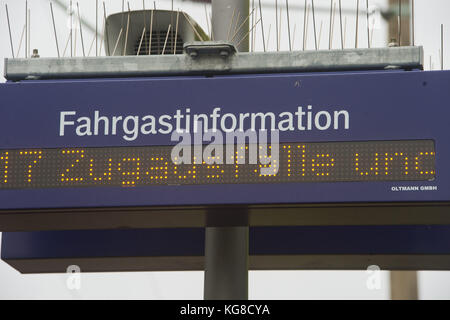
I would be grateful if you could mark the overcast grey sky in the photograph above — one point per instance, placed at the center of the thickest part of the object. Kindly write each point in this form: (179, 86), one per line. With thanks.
(189, 285)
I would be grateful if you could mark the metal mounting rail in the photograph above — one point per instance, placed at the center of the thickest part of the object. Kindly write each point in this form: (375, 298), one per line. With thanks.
(212, 64)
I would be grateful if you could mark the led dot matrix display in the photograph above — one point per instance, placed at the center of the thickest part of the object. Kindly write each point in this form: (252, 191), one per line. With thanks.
(152, 165)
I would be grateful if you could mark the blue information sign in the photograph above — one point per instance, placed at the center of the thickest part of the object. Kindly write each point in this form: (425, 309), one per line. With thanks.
(344, 138)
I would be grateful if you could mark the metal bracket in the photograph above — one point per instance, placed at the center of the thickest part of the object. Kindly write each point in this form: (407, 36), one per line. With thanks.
(215, 58)
(209, 48)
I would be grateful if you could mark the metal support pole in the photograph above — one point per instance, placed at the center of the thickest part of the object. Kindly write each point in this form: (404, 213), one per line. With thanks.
(226, 236)
(222, 18)
(226, 263)
(404, 285)
(405, 23)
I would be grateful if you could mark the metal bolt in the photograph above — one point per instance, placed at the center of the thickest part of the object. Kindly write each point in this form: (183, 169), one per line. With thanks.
(35, 53)
(224, 53)
(393, 43)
